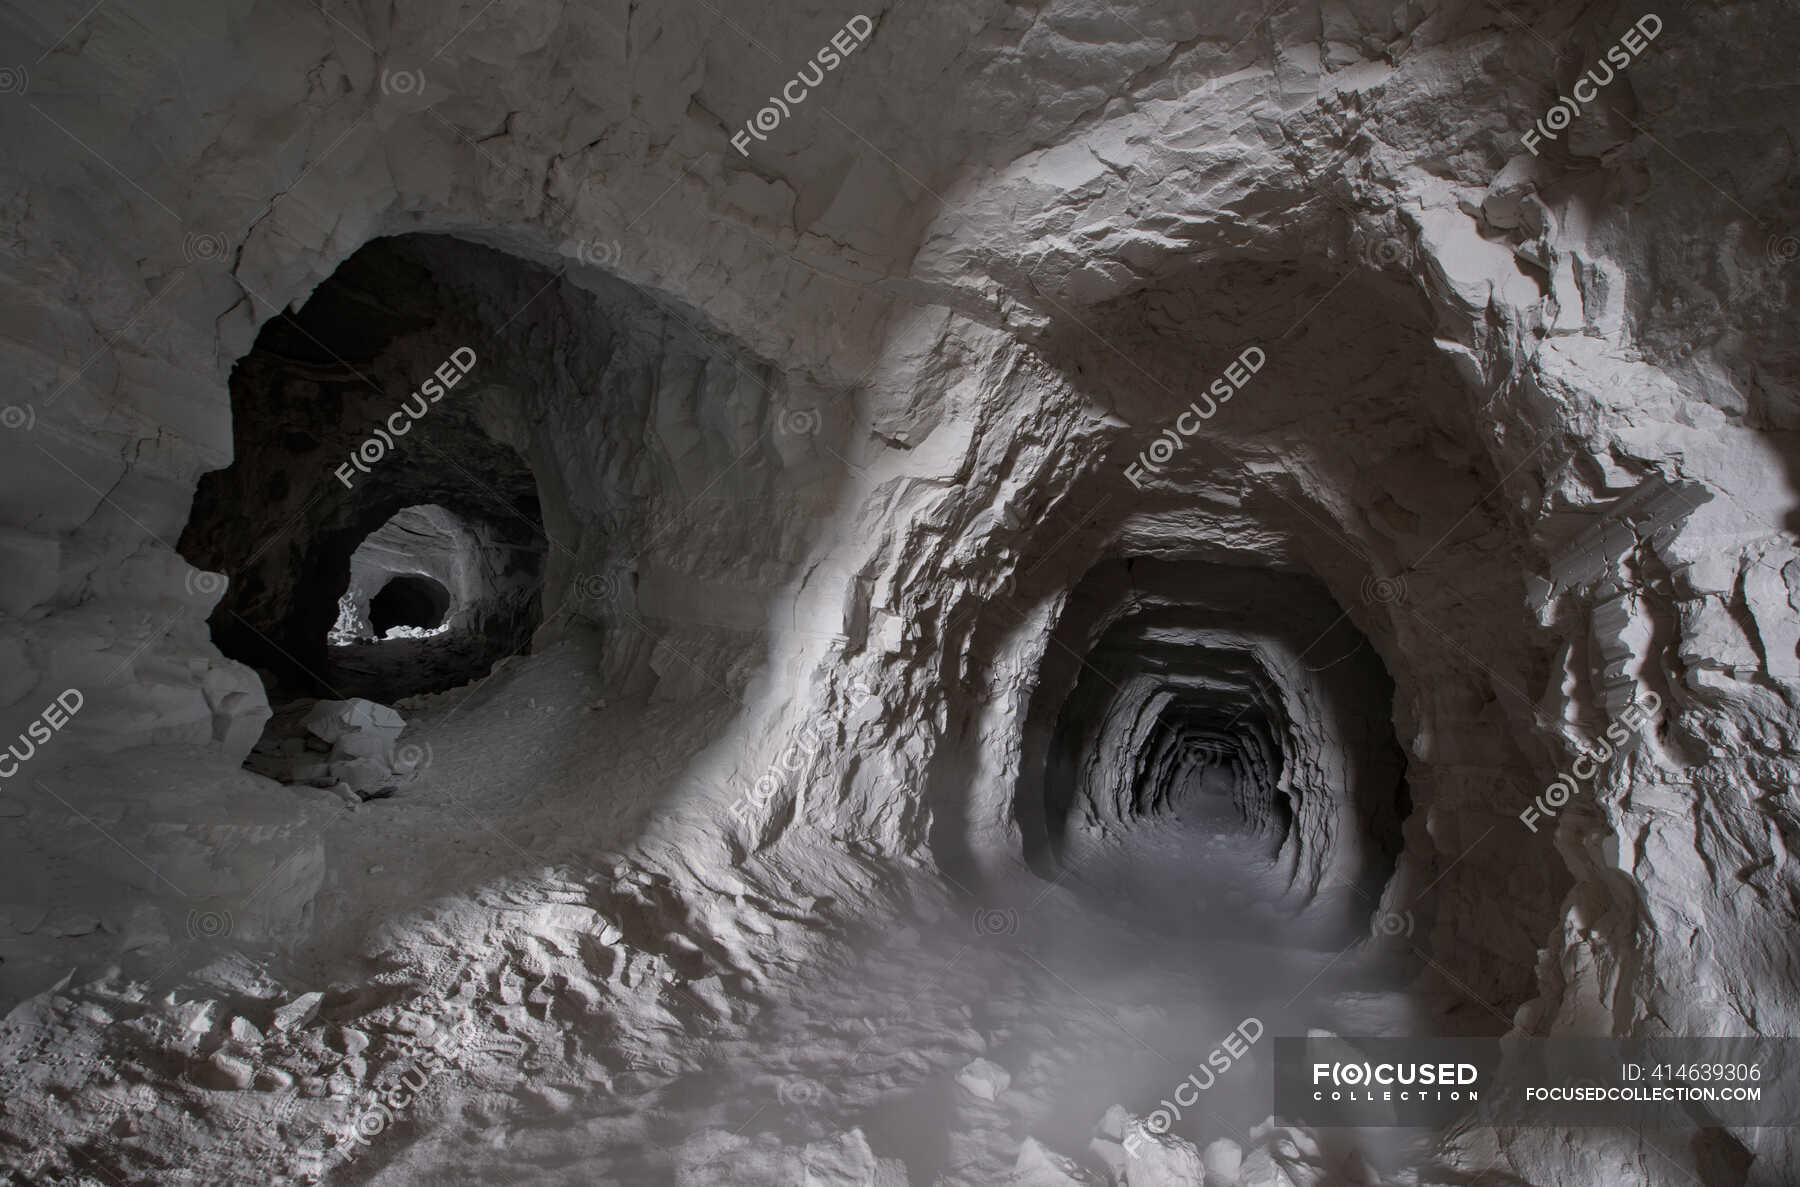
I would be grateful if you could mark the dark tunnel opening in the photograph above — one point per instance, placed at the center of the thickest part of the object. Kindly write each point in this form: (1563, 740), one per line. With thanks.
(408, 601)
(371, 420)
(1237, 708)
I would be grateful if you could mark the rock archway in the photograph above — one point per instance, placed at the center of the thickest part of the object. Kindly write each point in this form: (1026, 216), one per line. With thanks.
(1091, 527)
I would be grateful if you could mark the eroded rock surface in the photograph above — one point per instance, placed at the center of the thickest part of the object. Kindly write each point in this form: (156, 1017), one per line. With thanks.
(892, 576)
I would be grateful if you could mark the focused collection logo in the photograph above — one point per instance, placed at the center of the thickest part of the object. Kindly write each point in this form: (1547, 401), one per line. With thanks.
(843, 43)
(448, 374)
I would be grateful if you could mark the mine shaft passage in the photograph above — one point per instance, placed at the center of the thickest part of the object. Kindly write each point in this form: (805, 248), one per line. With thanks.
(433, 601)
(407, 601)
(1226, 738)
(418, 564)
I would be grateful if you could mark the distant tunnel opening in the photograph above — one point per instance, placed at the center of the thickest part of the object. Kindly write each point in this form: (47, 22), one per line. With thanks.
(380, 486)
(416, 602)
(1226, 717)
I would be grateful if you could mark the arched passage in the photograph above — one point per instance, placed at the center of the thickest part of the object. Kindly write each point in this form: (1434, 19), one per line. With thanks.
(380, 394)
(432, 601)
(409, 603)
(1238, 704)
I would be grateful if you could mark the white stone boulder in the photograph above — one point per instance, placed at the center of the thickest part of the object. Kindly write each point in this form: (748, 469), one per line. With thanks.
(240, 708)
(1263, 1169)
(1038, 1166)
(985, 1079)
(1136, 1155)
(1108, 1141)
(1223, 1159)
(847, 1161)
(362, 735)
(1286, 1156)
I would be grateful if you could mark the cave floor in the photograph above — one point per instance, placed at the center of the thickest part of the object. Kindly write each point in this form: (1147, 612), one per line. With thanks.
(629, 1026)
(1088, 990)
(432, 663)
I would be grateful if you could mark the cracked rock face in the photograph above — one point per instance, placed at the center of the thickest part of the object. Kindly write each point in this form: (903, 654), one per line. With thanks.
(954, 592)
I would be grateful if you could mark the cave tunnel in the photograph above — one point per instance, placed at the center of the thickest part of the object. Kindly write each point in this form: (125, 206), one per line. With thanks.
(407, 601)
(1221, 718)
(376, 475)
(929, 635)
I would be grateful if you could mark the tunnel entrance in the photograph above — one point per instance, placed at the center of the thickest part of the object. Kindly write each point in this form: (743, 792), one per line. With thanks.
(380, 523)
(1210, 798)
(433, 601)
(1226, 741)
(418, 603)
